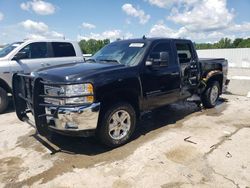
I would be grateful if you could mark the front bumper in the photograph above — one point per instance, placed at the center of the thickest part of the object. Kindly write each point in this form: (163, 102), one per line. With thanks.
(74, 121)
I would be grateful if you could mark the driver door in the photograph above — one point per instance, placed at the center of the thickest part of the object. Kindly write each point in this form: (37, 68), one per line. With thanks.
(35, 57)
(161, 83)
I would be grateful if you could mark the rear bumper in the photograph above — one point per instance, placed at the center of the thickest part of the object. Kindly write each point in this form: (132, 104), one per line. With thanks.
(74, 121)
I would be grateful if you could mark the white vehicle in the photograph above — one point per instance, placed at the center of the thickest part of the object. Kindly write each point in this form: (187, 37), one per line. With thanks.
(86, 56)
(31, 55)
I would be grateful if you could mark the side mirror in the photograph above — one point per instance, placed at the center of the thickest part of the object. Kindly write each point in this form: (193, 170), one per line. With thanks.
(161, 60)
(20, 55)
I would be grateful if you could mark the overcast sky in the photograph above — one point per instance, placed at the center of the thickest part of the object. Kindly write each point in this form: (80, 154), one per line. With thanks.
(199, 20)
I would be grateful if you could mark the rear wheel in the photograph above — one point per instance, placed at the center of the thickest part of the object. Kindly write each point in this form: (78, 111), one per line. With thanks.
(211, 95)
(117, 124)
(4, 100)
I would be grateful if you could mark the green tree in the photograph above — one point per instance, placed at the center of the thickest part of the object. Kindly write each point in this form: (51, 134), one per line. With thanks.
(91, 46)
(224, 43)
(244, 44)
(204, 46)
(236, 42)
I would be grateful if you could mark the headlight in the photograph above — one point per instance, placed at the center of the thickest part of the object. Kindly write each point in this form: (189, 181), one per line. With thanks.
(73, 91)
(76, 90)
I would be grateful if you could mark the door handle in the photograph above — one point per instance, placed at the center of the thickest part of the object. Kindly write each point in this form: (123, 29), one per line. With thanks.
(45, 64)
(174, 73)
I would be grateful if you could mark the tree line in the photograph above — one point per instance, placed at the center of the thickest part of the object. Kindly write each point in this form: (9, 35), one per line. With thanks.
(225, 43)
(91, 46)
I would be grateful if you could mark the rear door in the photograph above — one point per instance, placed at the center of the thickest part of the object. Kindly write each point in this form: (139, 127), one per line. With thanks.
(62, 53)
(161, 85)
(188, 62)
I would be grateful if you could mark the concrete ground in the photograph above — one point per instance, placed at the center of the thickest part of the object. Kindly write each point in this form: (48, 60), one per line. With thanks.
(178, 146)
(239, 81)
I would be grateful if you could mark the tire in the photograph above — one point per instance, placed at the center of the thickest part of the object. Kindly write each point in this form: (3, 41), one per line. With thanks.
(113, 130)
(4, 100)
(211, 95)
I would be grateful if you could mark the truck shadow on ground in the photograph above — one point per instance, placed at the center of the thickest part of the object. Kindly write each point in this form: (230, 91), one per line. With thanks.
(148, 127)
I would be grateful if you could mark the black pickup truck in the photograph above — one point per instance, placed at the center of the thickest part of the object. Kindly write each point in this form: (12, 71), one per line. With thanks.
(108, 93)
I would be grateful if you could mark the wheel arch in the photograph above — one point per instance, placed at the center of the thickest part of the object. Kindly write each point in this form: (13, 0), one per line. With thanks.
(215, 75)
(122, 95)
(5, 86)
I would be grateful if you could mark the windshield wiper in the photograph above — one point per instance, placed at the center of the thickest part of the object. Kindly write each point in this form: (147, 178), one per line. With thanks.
(110, 60)
(93, 60)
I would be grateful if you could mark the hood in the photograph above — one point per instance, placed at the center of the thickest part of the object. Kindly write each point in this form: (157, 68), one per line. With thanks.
(4, 58)
(75, 71)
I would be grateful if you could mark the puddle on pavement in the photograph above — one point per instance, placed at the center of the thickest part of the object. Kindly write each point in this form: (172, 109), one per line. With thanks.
(182, 154)
(173, 185)
(219, 109)
(121, 184)
(87, 152)
(27, 141)
(10, 169)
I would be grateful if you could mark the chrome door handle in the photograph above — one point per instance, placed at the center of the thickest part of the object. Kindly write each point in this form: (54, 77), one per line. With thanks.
(45, 64)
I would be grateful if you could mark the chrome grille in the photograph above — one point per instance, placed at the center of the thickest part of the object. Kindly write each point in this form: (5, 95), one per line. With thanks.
(53, 91)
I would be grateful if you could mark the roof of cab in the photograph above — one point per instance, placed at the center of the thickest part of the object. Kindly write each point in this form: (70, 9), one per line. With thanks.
(151, 39)
(47, 40)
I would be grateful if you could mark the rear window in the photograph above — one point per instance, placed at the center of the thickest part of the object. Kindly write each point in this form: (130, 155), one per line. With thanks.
(184, 52)
(63, 49)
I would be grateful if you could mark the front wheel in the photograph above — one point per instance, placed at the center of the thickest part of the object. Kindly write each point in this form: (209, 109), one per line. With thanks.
(211, 95)
(117, 124)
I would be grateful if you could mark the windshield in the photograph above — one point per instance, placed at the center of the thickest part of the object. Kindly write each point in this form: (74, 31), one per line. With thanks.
(7, 49)
(124, 53)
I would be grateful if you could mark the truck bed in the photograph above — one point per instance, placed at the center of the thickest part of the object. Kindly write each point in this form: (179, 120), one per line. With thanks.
(211, 59)
(208, 64)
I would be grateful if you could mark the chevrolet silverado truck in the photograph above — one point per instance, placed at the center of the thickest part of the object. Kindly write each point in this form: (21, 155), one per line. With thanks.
(108, 94)
(29, 55)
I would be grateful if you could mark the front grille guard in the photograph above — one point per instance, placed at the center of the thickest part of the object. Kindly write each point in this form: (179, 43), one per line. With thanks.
(29, 97)
(26, 91)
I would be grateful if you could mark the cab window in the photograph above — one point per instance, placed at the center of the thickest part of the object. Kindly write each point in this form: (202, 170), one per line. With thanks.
(184, 52)
(63, 49)
(35, 50)
(161, 47)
